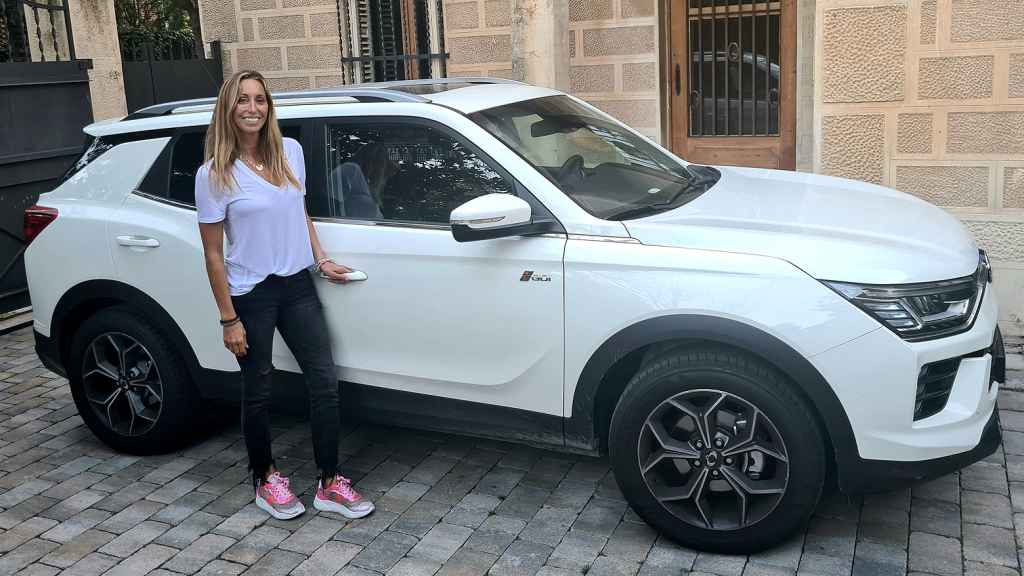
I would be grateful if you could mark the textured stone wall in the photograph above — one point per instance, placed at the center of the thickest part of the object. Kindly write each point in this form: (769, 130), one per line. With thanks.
(613, 51)
(927, 96)
(478, 36)
(294, 43)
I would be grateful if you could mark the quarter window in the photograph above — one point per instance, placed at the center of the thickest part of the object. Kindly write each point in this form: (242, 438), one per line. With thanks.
(401, 172)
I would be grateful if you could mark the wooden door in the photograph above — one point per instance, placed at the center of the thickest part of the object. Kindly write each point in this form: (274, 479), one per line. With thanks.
(732, 74)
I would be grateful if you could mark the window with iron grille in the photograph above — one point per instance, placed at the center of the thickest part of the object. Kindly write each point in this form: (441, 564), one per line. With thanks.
(734, 67)
(35, 31)
(386, 40)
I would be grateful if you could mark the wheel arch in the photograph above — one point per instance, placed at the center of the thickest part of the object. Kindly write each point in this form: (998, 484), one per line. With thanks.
(606, 373)
(87, 298)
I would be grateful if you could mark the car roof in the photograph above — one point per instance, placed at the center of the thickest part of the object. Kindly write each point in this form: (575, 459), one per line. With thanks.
(464, 94)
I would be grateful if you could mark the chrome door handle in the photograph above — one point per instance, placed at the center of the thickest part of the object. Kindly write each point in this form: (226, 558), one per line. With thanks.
(140, 241)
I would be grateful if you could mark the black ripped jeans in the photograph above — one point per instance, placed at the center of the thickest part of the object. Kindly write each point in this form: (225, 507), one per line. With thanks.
(290, 304)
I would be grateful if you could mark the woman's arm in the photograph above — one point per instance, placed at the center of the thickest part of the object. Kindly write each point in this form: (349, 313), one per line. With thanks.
(213, 251)
(325, 265)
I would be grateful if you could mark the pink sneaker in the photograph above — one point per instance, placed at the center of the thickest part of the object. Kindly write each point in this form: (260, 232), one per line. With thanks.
(340, 497)
(277, 499)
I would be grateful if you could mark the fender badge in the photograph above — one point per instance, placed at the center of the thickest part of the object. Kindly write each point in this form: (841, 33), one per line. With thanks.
(529, 275)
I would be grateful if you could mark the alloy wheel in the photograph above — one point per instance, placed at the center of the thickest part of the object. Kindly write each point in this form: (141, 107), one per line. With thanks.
(122, 384)
(713, 459)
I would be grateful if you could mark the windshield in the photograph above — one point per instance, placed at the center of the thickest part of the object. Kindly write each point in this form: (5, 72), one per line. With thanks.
(609, 171)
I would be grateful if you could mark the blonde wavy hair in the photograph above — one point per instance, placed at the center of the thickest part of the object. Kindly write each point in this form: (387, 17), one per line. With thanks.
(222, 137)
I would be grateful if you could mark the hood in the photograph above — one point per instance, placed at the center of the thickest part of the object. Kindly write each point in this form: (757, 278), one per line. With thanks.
(832, 228)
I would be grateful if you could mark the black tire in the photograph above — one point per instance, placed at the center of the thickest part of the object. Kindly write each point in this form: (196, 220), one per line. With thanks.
(163, 393)
(724, 383)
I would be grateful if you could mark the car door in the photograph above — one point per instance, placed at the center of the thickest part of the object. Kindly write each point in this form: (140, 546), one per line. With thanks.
(477, 321)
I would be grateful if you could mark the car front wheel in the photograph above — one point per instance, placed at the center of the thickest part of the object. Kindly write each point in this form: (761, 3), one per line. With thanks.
(713, 447)
(130, 384)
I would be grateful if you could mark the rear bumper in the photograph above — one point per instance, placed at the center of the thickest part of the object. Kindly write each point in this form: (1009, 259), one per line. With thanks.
(49, 353)
(882, 475)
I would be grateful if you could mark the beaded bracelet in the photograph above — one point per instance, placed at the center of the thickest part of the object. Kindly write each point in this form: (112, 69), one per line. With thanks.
(230, 321)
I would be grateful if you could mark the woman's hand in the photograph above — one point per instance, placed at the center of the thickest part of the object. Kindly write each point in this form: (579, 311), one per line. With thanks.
(234, 339)
(335, 272)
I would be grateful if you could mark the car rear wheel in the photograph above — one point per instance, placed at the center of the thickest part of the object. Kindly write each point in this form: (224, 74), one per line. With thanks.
(714, 448)
(130, 384)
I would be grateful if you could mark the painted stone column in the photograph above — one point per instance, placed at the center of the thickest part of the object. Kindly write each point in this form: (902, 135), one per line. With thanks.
(94, 28)
(540, 42)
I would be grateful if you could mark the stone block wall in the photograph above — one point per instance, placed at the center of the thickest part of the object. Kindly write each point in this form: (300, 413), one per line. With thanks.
(613, 55)
(478, 36)
(294, 43)
(927, 96)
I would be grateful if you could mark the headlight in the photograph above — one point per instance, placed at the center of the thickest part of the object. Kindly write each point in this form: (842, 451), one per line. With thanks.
(922, 311)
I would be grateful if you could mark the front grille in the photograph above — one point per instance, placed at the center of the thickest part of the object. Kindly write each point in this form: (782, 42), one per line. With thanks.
(933, 386)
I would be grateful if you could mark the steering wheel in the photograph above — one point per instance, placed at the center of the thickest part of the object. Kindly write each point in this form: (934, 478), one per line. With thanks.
(571, 171)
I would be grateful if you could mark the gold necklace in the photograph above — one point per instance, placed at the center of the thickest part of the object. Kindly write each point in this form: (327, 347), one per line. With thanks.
(258, 166)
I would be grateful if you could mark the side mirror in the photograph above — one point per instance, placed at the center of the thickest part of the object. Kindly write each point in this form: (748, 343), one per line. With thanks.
(492, 216)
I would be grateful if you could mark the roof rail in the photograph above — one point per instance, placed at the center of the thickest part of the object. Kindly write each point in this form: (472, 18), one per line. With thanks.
(357, 92)
(429, 81)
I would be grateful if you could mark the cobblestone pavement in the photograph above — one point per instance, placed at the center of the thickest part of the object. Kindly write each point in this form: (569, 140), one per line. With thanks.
(447, 505)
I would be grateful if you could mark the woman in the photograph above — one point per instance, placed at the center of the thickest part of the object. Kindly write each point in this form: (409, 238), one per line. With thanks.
(251, 189)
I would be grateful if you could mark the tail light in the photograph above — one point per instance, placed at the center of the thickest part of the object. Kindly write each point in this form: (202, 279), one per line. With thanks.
(36, 218)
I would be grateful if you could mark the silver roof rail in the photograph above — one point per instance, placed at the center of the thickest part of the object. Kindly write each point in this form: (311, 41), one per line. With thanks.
(356, 92)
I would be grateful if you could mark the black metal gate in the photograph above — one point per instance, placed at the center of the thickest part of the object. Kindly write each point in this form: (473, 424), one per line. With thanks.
(155, 74)
(44, 104)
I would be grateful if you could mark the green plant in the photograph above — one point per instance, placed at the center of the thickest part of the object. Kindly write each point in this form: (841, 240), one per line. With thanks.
(165, 25)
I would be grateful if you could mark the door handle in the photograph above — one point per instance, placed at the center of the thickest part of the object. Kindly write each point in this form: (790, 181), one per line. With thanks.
(353, 276)
(138, 241)
(679, 84)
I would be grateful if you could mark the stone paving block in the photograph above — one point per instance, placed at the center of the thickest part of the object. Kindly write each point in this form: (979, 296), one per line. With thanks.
(630, 542)
(129, 517)
(522, 558)
(588, 470)
(73, 505)
(384, 552)
(21, 475)
(984, 508)
(78, 524)
(27, 509)
(500, 481)
(523, 502)
(936, 517)
(989, 544)
(199, 554)
(134, 539)
(169, 471)
(122, 498)
(74, 485)
(831, 537)
(431, 470)
(813, 564)
(24, 532)
(232, 501)
(441, 542)
(468, 562)
(577, 551)
(401, 496)
(455, 484)
(420, 517)
(755, 568)
(465, 517)
(242, 522)
(978, 569)
(39, 570)
(189, 530)
(364, 530)
(115, 464)
(92, 565)
(226, 480)
(328, 559)
(176, 512)
(412, 566)
(311, 536)
(550, 525)
(177, 488)
(1013, 442)
(257, 543)
(984, 477)
(71, 469)
(785, 555)
(77, 548)
(600, 517)
(383, 477)
(945, 488)
(222, 568)
(275, 563)
(1015, 467)
(935, 554)
(25, 554)
(880, 559)
(547, 472)
(23, 492)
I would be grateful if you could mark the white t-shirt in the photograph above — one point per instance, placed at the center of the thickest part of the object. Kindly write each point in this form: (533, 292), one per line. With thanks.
(265, 224)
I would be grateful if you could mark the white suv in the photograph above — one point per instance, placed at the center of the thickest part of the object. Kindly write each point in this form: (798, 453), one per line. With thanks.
(538, 272)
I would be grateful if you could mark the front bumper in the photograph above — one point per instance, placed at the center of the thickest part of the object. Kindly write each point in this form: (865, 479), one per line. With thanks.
(876, 380)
